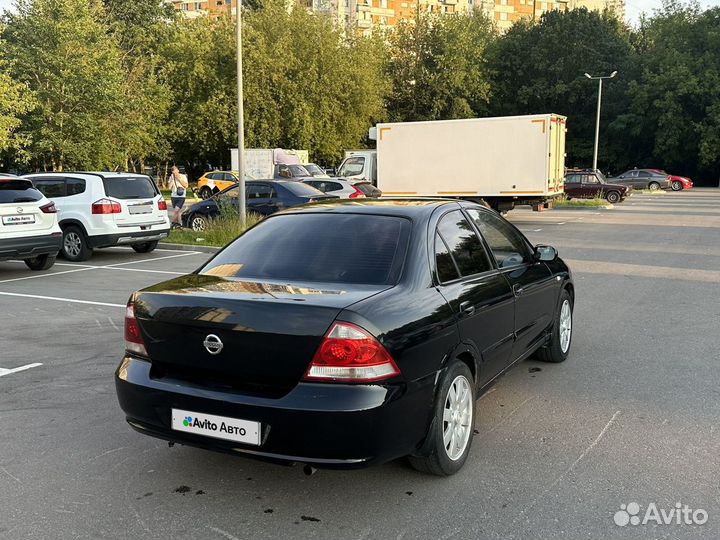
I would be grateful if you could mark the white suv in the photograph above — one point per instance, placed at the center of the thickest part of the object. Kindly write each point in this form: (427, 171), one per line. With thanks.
(28, 224)
(105, 209)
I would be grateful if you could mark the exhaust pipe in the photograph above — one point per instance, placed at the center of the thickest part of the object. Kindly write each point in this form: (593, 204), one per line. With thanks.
(309, 470)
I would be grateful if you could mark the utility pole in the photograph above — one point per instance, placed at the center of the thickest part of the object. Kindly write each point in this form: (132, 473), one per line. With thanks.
(241, 116)
(597, 120)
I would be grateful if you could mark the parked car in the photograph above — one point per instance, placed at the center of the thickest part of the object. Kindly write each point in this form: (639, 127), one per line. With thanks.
(678, 183)
(316, 171)
(344, 334)
(29, 228)
(344, 189)
(212, 183)
(262, 197)
(643, 179)
(589, 184)
(104, 209)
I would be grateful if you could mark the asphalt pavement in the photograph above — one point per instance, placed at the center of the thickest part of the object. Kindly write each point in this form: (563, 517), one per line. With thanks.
(562, 449)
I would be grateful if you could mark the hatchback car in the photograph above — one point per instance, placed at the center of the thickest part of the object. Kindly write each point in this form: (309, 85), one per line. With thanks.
(344, 334)
(589, 184)
(97, 210)
(262, 197)
(649, 179)
(29, 228)
(344, 189)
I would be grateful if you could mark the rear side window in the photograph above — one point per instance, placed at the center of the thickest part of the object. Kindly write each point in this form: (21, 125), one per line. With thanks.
(129, 187)
(259, 191)
(51, 187)
(17, 191)
(446, 269)
(464, 245)
(318, 248)
(74, 186)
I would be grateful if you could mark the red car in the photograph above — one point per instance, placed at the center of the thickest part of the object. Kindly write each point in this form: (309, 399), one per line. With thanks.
(678, 183)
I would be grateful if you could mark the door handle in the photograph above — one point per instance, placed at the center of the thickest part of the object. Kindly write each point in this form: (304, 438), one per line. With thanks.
(466, 308)
(518, 290)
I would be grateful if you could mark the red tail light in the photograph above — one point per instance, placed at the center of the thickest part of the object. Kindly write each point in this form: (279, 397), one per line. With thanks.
(49, 208)
(106, 206)
(162, 205)
(350, 354)
(133, 337)
(358, 194)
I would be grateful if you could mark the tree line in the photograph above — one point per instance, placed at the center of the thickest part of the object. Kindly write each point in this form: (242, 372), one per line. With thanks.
(125, 84)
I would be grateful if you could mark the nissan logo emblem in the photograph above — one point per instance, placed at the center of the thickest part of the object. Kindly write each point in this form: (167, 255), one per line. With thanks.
(20, 210)
(212, 344)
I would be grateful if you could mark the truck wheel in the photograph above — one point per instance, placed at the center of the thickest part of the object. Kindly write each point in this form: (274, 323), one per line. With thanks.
(612, 197)
(41, 262)
(654, 186)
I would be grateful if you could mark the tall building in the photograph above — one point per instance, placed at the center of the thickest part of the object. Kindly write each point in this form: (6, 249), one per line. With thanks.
(191, 9)
(505, 13)
(615, 6)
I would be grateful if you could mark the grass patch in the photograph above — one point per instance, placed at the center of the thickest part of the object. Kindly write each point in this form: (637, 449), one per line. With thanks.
(219, 233)
(190, 194)
(596, 202)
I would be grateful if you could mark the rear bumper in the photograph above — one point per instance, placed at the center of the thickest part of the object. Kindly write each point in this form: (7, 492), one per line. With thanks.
(325, 425)
(127, 238)
(29, 247)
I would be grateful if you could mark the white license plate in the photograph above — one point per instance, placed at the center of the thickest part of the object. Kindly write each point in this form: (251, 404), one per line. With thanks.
(19, 220)
(140, 209)
(219, 427)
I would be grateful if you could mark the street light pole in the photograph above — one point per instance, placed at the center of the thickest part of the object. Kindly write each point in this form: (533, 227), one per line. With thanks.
(241, 116)
(597, 120)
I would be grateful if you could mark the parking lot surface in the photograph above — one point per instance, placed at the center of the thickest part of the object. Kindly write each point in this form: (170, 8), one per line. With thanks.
(632, 416)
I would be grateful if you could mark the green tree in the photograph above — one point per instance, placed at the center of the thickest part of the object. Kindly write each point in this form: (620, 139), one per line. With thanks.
(15, 100)
(63, 51)
(673, 116)
(437, 67)
(539, 68)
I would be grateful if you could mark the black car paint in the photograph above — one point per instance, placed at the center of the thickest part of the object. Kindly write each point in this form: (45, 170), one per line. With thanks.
(420, 322)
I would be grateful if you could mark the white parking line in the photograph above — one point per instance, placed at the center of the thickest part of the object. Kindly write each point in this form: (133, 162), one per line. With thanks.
(4, 371)
(56, 298)
(44, 275)
(186, 254)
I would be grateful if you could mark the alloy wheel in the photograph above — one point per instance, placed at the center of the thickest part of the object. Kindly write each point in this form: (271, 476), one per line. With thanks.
(198, 224)
(72, 244)
(457, 417)
(676, 185)
(565, 326)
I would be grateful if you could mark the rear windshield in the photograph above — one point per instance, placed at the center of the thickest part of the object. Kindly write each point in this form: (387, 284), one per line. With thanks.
(328, 248)
(18, 191)
(299, 189)
(124, 187)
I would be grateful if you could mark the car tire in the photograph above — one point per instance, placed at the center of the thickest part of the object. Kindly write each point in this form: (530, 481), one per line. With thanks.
(198, 223)
(558, 348)
(677, 185)
(653, 186)
(453, 418)
(612, 197)
(74, 244)
(145, 247)
(205, 193)
(41, 262)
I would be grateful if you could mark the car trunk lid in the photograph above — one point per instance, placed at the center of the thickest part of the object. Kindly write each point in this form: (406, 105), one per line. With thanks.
(269, 330)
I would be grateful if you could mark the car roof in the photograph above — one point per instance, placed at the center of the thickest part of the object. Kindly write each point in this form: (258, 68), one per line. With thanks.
(101, 174)
(415, 207)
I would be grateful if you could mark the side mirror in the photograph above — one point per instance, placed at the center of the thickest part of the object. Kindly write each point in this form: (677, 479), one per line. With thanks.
(545, 253)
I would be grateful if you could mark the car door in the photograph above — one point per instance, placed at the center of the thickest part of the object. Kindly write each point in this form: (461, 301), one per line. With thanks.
(532, 282)
(643, 180)
(477, 292)
(573, 187)
(259, 198)
(590, 186)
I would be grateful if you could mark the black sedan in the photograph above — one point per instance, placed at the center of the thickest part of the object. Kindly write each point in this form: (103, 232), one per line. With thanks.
(344, 334)
(263, 197)
(651, 179)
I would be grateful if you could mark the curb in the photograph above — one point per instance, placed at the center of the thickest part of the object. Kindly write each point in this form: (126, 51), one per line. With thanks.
(188, 247)
(585, 208)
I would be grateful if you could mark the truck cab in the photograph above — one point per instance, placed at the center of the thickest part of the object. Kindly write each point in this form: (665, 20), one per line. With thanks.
(359, 165)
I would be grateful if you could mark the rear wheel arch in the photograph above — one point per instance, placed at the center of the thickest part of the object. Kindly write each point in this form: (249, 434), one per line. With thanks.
(65, 223)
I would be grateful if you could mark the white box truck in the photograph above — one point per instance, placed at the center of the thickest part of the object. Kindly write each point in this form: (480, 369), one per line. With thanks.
(265, 163)
(504, 161)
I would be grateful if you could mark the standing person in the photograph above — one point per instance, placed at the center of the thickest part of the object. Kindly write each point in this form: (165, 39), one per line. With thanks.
(178, 183)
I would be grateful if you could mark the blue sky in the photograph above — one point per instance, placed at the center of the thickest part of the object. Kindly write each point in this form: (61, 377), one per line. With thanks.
(633, 8)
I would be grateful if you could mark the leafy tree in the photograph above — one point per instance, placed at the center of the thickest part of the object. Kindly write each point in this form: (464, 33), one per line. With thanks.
(15, 99)
(437, 67)
(62, 50)
(539, 68)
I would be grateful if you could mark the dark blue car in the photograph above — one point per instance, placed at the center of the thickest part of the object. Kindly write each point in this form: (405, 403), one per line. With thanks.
(263, 197)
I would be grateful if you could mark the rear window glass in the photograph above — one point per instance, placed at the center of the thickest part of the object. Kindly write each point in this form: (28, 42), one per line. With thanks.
(299, 189)
(124, 187)
(368, 189)
(17, 191)
(318, 248)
